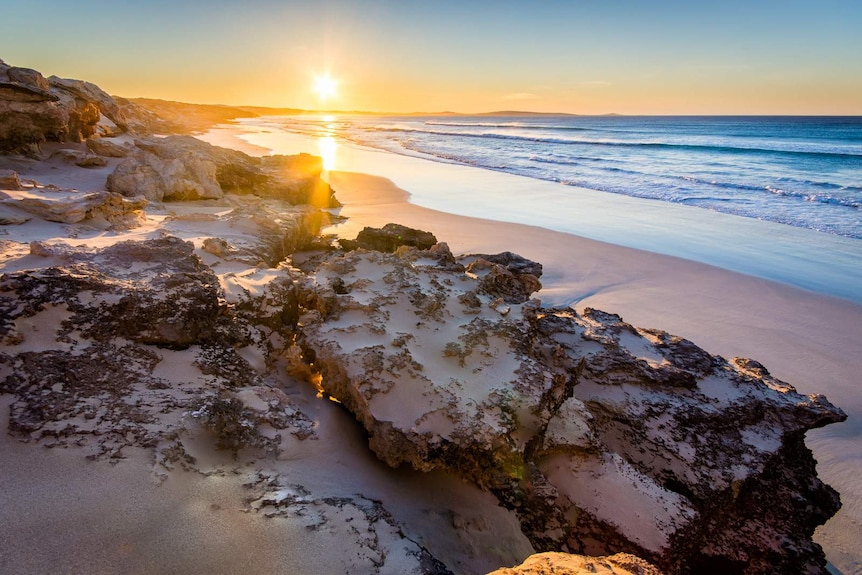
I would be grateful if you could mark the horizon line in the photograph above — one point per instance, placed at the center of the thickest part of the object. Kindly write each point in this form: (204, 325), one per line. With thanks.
(498, 113)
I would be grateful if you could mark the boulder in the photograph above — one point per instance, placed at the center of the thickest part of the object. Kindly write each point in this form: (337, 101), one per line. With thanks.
(601, 437)
(389, 238)
(9, 180)
(506, 275)
(186, 176)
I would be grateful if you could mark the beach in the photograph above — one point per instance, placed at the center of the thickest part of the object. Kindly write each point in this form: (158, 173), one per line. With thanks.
(129, 515)
(807, 339)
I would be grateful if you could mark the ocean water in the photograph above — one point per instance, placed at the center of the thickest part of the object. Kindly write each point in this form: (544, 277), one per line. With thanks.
(799, 171)
(776, 198)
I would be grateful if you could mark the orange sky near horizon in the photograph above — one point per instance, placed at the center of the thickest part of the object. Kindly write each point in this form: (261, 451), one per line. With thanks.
(627, 57)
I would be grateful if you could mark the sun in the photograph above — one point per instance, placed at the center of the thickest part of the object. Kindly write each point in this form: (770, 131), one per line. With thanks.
(325, 86)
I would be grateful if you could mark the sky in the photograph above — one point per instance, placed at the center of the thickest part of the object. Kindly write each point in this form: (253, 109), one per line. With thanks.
(576, 56)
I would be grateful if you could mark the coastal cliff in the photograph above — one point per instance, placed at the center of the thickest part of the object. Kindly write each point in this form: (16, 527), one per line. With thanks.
(178, 309)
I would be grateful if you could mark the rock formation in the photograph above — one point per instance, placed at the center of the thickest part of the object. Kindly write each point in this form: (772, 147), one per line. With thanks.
(96, 209)
(601, 436)
(184, 168)
(34, 109)
(142, 346)
(389, 238)
(9, 180)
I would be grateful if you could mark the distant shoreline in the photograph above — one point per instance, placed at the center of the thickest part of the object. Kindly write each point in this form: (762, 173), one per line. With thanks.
(208, 115)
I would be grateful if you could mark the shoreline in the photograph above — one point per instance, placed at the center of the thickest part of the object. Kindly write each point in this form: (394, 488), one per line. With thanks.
(815, 261)
(805, 338)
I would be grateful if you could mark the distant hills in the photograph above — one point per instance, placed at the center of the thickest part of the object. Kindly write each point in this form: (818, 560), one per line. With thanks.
(198, 117)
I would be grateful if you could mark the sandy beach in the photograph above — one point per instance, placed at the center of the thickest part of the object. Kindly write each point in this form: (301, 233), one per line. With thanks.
(122, 518)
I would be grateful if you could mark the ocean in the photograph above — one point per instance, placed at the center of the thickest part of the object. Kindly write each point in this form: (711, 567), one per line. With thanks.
(774, 197)
(799, 171)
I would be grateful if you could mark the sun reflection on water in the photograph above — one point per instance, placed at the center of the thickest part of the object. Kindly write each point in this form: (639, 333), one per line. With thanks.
(328, 147)
(327, 144)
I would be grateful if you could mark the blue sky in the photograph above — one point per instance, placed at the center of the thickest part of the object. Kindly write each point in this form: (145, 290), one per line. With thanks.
(731, 57)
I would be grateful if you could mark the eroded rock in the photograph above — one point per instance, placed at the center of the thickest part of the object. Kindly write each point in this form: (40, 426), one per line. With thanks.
(185, 168)
(389, 238)
(107, 148)
(97, 209)
(602, 437)
(34, 109)
(9, 180)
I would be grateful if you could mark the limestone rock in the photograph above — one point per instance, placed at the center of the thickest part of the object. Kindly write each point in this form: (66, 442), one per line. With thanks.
(184, 176)
(184, 168)
(107, 148)
(82, 339)
(29, 115)
(9, 180)
(506, 275)
(28, 77)
(10, 217)
(88, 92)
(602, 437)
(98, 209)
(295, 179)
(79, 158)
(34, 109)
(389, 238)
(565, 564)
(256, 232)
(155, 292)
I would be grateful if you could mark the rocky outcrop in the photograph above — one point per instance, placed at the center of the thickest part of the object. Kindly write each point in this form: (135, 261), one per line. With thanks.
(184, 168)
(81, 339)
(161, 172)
(88, 92)
(506, 275)
(34, 109)
(141, 348)
(29, 114)
(389, 238)
(155, 292)
(97, 209)
(602, 437)
(566, 564)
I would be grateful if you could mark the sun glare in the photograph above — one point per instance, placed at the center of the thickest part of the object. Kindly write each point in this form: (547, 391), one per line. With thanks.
(325, 86)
